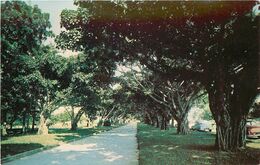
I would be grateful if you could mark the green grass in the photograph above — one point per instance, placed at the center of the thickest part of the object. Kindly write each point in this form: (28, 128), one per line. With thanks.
(18, 144)
(158, 147)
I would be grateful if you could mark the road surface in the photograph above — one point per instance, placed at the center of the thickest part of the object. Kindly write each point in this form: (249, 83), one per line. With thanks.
(118, 146)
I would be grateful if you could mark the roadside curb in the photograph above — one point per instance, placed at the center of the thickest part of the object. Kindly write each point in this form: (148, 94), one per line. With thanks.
(26, 153)
(35, 151)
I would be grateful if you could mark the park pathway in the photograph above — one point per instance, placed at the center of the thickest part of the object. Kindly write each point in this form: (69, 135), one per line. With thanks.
(118, 146)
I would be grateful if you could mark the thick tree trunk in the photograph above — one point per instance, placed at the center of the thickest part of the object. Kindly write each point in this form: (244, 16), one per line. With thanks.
(42, 128)
(229, 104)
(258, 64)
(180, 112)
(182, 126)
(230, 135)
(74, 125)
(75, 119)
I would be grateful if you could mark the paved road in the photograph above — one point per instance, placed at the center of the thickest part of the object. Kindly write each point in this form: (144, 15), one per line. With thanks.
(118, 146)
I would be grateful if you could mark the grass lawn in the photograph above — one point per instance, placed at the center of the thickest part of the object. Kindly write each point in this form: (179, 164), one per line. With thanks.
(22, 143)
(168, 148)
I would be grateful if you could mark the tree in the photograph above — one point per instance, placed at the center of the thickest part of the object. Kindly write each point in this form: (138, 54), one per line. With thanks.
(175, 99)
(23, 29)
(115, 103)
(46, 82)
(97, 54)
(81, 91)
(96, 67)
(197, 41)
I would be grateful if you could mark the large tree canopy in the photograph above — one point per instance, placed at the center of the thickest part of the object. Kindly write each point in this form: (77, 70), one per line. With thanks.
(174, 99)
(214, 43)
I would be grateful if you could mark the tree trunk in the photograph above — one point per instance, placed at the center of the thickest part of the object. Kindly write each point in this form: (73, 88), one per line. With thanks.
(74, 125)
(33, 121)
(27, 122)
(258, 64)
(230, 104)
(162, 123)
(147, 119)
(154, 121)
(182, 126)
(230, 135)
(24, 123)
(42, 128)
(172, 123)
(75, 119)
(166, 121)
(11, 125)
(157, 122)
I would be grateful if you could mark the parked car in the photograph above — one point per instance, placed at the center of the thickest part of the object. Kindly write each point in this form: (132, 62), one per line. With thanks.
(203, 125)
(253, 129)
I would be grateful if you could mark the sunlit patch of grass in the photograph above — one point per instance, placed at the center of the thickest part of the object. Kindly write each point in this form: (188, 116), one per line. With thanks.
(167, 147)
(254, 143)
(18, 144)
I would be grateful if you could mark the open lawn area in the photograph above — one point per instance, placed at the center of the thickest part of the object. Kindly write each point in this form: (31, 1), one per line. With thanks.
(22, 143)
(168, 148)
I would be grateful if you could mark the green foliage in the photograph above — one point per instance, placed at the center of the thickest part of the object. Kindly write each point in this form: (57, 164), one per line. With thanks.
(207, 115)
(60, 118)
(23, 28)
(179, 43)
(203, 104)
(96, 55)
(81, 90)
